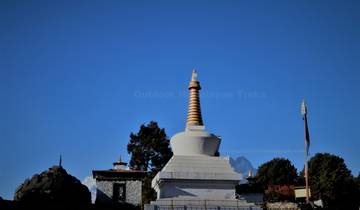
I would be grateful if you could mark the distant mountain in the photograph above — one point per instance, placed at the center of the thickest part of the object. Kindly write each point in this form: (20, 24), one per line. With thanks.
(242, 166)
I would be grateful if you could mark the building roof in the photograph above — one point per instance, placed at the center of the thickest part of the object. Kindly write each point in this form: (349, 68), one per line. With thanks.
(119, 173)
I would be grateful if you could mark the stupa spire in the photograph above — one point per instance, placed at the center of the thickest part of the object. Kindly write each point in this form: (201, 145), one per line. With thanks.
(194, 111)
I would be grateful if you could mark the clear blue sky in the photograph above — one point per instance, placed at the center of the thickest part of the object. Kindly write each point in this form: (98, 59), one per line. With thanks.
(76, 77)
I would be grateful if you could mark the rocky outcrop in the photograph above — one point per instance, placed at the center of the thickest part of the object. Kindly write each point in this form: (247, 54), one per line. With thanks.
(54, 186)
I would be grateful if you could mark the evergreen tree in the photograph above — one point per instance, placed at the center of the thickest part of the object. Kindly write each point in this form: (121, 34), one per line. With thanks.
(150, 151)
(278, 171)
(331, 181)
(149, 148)
(275, 177)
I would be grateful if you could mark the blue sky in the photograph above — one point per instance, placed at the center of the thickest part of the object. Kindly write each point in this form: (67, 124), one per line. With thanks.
(76, 77)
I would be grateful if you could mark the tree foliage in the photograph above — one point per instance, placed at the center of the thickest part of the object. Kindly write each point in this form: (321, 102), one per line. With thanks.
(331, 181)
(149, 148)
(357, 180)
(278, 171)
(150, 151)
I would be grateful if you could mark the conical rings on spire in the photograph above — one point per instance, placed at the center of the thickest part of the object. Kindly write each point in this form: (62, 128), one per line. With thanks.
(194, 111)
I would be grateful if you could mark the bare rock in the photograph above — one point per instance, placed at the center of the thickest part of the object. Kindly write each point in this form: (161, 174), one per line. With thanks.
(54, 186)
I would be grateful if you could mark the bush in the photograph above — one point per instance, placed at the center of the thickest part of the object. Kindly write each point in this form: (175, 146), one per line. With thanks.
(276, 193)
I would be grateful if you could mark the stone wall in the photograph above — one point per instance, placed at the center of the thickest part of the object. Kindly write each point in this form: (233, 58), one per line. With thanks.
(282, 206)
(132, 192)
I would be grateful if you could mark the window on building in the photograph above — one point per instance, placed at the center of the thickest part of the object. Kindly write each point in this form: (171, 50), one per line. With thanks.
(119, 192)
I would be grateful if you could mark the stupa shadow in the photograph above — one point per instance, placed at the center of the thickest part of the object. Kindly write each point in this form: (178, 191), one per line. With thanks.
(179, 193)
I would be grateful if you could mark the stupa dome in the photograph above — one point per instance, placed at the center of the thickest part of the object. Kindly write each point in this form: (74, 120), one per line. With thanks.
(195, 142)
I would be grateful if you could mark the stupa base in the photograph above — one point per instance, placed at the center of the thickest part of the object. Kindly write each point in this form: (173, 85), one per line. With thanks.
(200, 204)
(200, 176)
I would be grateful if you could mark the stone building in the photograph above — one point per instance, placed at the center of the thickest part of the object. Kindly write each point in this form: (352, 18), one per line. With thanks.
(119, 185)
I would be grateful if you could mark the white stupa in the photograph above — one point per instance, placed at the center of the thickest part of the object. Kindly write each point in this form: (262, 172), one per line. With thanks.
(196, 177)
